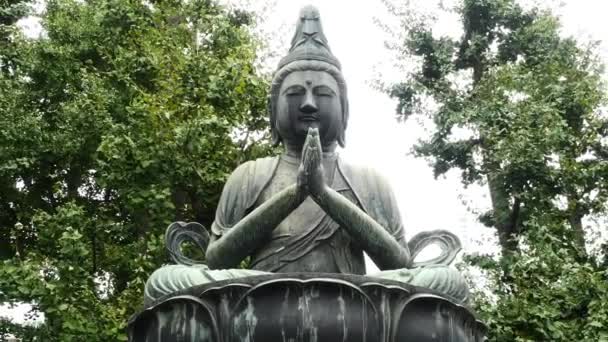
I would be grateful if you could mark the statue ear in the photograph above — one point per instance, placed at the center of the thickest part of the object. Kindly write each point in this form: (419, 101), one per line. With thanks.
(276, 138)
(274, 133)
(341, 137)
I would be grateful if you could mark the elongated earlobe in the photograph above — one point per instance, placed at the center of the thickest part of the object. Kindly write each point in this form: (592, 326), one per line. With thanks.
(342, 134)
(342, 138)
(274, 133)
(276, 138)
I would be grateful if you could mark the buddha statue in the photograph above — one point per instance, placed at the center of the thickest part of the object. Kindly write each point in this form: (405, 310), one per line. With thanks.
(307, 210)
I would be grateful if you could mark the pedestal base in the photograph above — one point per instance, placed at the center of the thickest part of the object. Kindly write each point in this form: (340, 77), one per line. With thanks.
(306, 307)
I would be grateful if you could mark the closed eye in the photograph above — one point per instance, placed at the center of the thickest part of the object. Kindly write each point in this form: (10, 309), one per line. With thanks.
(323, 91)
(294, 90)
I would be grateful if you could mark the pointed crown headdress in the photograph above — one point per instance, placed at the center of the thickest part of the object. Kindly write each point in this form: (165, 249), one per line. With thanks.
(309, 41)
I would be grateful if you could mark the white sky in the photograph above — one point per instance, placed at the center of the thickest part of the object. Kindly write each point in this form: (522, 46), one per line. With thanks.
(374, 136)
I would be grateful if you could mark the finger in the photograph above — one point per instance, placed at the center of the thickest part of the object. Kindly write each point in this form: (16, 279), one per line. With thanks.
(309, 159)
(305, 150)
(310, 137)
(318, 147)
(315, 158)
(302, 178)
(311, 152)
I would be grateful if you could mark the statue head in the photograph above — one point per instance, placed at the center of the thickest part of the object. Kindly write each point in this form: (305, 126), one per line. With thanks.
(308, 88)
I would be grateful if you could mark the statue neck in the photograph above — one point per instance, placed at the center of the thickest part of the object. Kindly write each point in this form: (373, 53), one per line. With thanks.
(295, 150)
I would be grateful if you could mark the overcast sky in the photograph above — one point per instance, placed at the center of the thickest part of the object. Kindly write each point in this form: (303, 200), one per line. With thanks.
(375, 137)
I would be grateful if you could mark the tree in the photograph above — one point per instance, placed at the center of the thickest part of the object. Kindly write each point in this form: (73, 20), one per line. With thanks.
(123, 117)
(12, 12)
(531, 103)
(530, 100)
(551, 294)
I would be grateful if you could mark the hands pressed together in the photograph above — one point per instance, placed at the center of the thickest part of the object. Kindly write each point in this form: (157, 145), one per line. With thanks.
(311, 180)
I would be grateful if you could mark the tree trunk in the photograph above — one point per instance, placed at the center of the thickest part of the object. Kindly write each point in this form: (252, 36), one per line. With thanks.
(575, 218)
(505, 218)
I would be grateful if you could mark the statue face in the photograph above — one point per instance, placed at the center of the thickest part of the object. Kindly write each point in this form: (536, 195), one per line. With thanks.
(309, 99)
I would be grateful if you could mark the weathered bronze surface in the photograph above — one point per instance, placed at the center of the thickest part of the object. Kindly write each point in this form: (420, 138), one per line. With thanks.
(306, 307)
(308, 211)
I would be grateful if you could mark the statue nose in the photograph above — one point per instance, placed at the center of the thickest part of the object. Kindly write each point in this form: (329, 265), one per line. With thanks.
(309, 105)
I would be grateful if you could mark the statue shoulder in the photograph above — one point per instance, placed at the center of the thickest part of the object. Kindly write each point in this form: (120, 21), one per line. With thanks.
(253, 171)
(363, 179)
(241, 191)
(374, 193)
(251, 166)
(249, 179)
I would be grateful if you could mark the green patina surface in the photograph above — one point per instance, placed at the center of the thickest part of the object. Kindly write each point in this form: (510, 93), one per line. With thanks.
(307, 210)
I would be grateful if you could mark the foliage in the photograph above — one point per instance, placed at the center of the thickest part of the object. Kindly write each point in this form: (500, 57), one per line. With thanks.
(529, 102)
(123, 117)
(10, 12)
(549, 294)
(518, 107)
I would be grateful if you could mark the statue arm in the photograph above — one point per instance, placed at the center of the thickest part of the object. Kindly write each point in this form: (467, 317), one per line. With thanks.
(377, 242)
(251, 231)
(375, 239)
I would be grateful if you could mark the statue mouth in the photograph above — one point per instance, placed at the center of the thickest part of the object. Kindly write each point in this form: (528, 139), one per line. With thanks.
(308, 118)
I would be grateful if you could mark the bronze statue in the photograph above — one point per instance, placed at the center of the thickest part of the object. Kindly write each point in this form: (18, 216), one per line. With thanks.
(307, 210)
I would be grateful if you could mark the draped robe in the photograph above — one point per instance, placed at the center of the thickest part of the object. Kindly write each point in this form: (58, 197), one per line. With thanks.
(308, 240)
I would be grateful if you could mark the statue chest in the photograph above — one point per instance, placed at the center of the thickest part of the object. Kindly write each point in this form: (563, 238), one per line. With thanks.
(308, 213)
(308, 240)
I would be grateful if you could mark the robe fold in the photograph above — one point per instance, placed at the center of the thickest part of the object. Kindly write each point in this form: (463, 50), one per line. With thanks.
(317, 232)
(308, 240)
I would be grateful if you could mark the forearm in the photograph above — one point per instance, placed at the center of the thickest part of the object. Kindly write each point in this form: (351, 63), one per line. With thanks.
(384, 250)
(251, 231)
